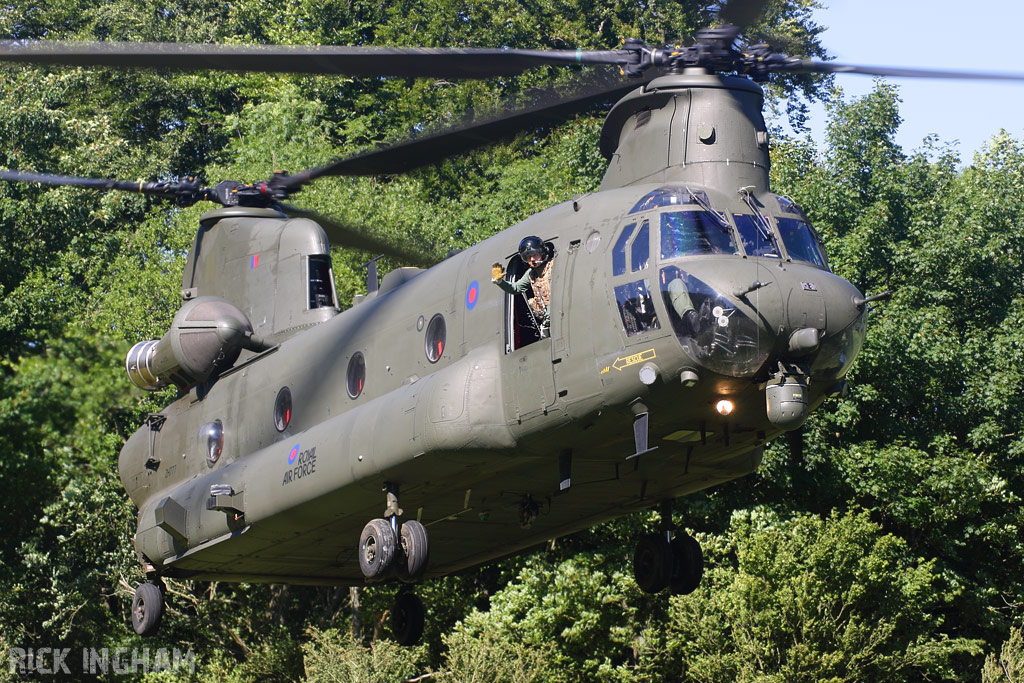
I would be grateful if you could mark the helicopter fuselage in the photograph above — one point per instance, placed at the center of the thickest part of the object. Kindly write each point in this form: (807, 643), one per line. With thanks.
(693, 317)
(494, 446)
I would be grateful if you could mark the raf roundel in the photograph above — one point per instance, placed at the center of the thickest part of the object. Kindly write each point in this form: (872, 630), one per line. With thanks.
(472, 294)
(293, 455)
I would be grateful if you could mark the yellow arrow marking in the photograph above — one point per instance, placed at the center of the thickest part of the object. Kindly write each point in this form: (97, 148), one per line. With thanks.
(621, 363)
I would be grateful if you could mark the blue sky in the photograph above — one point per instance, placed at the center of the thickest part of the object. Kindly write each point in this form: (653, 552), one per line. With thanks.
(941, 34)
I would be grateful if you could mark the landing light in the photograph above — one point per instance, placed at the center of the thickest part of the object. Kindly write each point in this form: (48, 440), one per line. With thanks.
(724, 407)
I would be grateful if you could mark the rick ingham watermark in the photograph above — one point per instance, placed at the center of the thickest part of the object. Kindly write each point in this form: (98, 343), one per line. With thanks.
(104, 660)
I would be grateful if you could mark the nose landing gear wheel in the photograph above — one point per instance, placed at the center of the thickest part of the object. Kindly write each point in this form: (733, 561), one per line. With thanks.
(652, 563)
(377, 548)
(407, 617)
(147, 609)
(687, 565)
(412, 561)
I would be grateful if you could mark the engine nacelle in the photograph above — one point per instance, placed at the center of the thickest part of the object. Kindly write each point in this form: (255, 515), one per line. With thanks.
(207, 334)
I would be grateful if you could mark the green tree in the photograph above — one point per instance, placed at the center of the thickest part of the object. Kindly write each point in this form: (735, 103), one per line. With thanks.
(1009, 664)
(812, 599)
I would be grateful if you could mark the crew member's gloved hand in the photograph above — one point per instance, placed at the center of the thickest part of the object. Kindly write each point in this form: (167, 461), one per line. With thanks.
(497, 272)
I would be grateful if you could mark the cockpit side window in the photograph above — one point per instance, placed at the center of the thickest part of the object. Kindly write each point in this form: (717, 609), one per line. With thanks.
(636, 307)
(685, 233)
(641, 251)
(619, 250)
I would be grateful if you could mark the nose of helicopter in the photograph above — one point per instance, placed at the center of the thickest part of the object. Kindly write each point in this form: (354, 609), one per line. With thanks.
(824, 323)
(790, 323)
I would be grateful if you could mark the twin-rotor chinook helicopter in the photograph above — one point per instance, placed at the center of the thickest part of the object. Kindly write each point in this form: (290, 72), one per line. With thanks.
(693, 318)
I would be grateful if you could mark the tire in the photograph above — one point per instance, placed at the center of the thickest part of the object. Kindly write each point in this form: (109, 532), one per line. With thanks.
(652, 563)
(414, 545)
(147, 609)
(687, 565)
(377, 548)
(407, 618)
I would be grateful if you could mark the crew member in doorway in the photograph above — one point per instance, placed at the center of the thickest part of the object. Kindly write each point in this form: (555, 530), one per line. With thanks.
(534, 284)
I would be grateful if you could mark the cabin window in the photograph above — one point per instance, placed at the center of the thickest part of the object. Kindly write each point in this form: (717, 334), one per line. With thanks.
(211, 439)
(757, 238)
(435, 338)
(801, 243)
(283, 409)
(356, 374)
(321, 282)
(688, 233)
(636, 307)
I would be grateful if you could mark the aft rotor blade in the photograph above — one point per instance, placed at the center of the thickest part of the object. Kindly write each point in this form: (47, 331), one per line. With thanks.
(814, 66)
(184, 191)
(411, 62)
(341, 235)
(412, 154)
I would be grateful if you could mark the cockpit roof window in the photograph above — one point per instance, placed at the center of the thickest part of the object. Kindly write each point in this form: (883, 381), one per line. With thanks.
(685, 233)
(787, 205)
(663, 196)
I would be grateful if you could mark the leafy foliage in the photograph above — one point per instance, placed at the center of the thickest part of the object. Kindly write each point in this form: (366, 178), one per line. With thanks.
(1009, 664)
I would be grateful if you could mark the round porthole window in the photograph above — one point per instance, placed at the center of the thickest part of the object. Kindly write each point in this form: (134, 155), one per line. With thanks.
(436, 336)
(211, 437)
(356, 374)
(283, 409)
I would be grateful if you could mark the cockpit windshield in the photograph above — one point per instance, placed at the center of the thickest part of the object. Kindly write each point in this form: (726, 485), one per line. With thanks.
(757, 239)
(684, 233)
(800, 241)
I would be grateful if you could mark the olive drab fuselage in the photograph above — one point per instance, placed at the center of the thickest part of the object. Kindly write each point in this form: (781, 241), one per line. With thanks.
(693, 318)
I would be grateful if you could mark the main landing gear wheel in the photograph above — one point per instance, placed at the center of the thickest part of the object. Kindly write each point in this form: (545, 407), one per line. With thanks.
(377, 548)
(407, 617)
(147, 608)
(652, 563)
(687, 565)
(412, 560)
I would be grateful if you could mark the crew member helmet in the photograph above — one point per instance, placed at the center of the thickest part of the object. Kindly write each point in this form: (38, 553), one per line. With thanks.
(529, 246)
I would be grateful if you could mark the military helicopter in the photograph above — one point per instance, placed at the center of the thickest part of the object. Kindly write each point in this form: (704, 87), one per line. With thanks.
(438, 423)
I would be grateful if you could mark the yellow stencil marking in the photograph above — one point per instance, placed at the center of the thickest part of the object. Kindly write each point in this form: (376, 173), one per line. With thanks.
(641, 357)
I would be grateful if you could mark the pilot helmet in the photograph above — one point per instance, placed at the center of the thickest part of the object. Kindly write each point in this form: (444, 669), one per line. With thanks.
(529, 246)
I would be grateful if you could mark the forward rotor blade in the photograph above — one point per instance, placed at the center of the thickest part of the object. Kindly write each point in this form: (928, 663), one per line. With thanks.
(341, 235)
(182, 192)
(406, 156)
(814, 66)
(409, 62)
